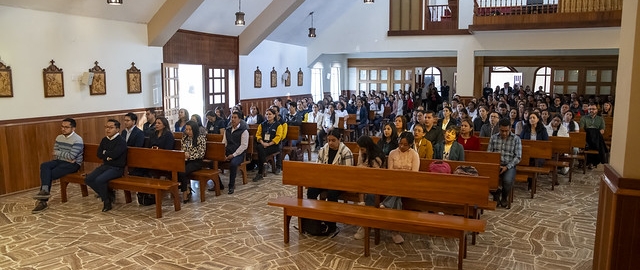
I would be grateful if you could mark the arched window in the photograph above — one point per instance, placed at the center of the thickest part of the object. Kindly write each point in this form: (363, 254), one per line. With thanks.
(543, 79)
(433, 74)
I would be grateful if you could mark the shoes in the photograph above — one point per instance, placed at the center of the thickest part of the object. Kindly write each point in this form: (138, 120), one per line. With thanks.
(231, 190)
(278, 170)
(564, 171)
(359, 234)
(382, 206)
(258, 177)
(591, 167)
(221, 185)
(504, 203)
(213, 188)
(361, 203)
(42, 195)
(106, 207)
(397, 238)
(189, 194)
(40, 206)
(496, 195)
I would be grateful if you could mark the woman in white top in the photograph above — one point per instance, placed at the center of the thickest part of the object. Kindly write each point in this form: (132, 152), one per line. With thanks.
(401, 158)
(314, 116)
(569, 123)
(555, 127)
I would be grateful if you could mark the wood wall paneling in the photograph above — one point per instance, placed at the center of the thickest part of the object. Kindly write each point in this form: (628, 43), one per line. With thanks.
(266, 102)
(187, 47)
(24, 145)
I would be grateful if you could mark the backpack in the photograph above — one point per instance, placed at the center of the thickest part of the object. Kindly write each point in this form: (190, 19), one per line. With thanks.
(146, 199)
(466, 170)
(315, 227)
(439, 167)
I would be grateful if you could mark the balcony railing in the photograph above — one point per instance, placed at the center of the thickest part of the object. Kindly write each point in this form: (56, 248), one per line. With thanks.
(417, 17)
(545, 14)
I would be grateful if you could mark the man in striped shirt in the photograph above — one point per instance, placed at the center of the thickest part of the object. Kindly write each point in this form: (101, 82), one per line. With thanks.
(67, 158)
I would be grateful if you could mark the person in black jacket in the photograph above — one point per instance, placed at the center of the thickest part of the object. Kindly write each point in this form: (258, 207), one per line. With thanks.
(131, 133)
(113, 152)
(163, 137)
(236, 142)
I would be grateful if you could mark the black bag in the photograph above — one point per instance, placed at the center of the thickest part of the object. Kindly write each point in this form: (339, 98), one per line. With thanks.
(146, 199)
(315, 227)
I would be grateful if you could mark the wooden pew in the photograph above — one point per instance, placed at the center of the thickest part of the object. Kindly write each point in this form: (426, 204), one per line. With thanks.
(90, 162)
(214, 137)
(308, 130)
(481, 156)
(559, 146)
(293, 134)
(537, 150)
(214, 154)
(154, 159)
(469, 191)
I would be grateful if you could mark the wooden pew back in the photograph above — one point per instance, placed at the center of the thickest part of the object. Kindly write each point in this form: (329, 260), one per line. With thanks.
(445, 188)
(481, 156)
(539, 149)
(491, 170)
(214, 137)
(156, 159)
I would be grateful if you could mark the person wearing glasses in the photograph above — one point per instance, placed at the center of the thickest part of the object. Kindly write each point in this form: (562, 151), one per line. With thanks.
(67, 158)
(593, 125)
(491, 128)
(113, 152)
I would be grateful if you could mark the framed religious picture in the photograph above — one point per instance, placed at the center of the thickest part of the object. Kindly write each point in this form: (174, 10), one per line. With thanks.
(99, 84)
(134, 82)
(6, 85)
(287, 78)
(53, 83)
(274, 78)
(300, 77)
(257, 78)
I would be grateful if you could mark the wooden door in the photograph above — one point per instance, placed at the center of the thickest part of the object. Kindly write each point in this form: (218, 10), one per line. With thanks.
(216, 88)
(170, 92)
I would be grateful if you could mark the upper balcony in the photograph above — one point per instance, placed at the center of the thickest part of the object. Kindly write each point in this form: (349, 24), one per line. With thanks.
(418, 17)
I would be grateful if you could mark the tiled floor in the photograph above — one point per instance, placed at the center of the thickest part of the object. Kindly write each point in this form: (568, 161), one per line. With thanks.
(553, 231)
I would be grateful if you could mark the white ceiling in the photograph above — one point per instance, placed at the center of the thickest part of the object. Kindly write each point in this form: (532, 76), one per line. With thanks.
(213, 16)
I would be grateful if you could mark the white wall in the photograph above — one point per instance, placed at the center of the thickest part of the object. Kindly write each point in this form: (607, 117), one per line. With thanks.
(271, 54)
(30, 39)
(369, 35)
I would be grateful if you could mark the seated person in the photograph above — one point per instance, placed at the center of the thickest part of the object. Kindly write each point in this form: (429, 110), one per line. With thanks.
(449, 149)
(194, 146)
(162, 138)
(421, 144)
(268, 137)
(236, 141)
(333, 152)
(113, 152)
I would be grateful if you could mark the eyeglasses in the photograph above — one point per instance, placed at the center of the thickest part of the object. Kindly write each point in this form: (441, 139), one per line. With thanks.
(109, 127)
(66, 127)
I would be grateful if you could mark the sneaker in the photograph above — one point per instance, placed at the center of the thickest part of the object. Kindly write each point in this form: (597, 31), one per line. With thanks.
(258, 177)
(42, 195)
(504, 203)
(397, 238)
(278, 170)
(40, 206)
(359, 234)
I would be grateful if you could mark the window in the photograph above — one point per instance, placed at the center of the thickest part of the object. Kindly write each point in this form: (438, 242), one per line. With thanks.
(316, 84)
(433, 74)
(335, 83)
(542, 79)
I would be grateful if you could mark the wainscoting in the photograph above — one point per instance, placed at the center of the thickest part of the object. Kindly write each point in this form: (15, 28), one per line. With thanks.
(26, 143)
(265, 103)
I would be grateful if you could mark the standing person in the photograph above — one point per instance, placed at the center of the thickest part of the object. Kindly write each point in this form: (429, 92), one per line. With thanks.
(402, 158)
(113, 152)
(150, 126)
(593, 125)
(268, 137)
(449, 149)
(236, 142)
(194, 146)
(466, 138)
(336, 153)
(183, 117)
(444, 89)
(487, 90)
(67, 158)
(510, 148)
(131, 133)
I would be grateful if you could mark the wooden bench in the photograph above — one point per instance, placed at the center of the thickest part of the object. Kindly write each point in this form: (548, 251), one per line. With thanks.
(90, 162)
(153, 159)
(469, 191)
(293, 134)
(537, 150)
(560, 146)
(308, 130)
(215, 153)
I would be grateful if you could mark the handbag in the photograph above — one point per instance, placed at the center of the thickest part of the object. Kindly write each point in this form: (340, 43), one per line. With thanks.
(314, 227)
(439, 167)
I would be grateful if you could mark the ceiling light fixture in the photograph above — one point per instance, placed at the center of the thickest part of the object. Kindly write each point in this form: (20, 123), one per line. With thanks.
(312, 30)
(368, 1)
(114, 2)
(239, 15)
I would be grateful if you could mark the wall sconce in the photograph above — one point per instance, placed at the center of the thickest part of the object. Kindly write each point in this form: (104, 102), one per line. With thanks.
(239, 15)
(312, 30)
(368, 1)
(114, 2)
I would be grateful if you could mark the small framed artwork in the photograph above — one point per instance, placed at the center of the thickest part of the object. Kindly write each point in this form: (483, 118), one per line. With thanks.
(274, 78)
(287, 78)
(300, 77)
(53, 81)
(134, 82)
(6, 85)
(257, 78)
(99, 84)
